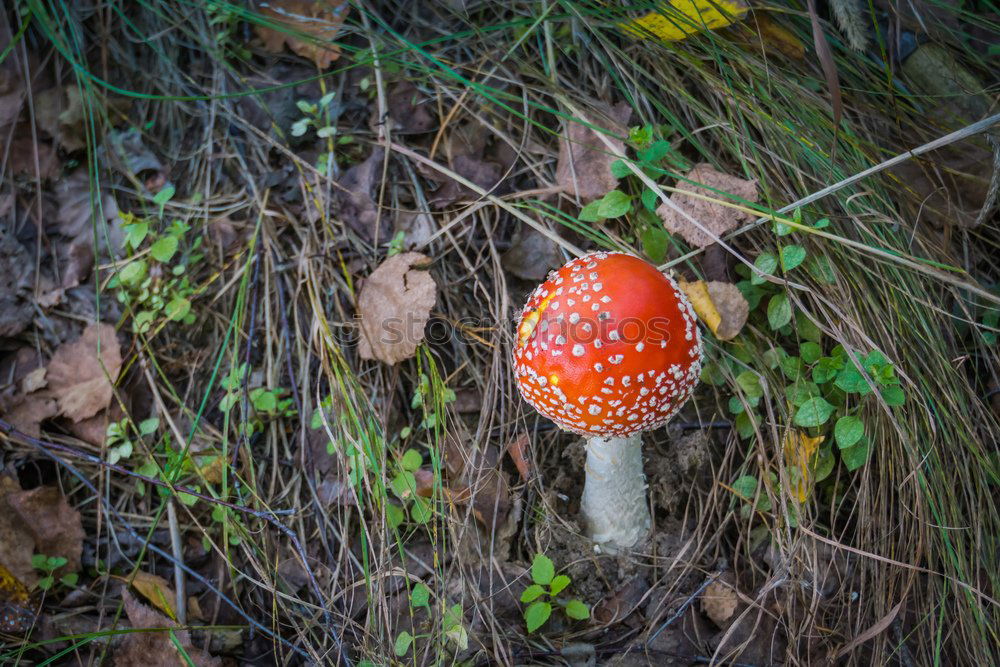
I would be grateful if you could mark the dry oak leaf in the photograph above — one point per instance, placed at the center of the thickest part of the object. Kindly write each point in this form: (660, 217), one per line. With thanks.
(157, 647)
(719, 305)
(81, 373)
(584, 167)
(319, 19)
(717, 218)
(395, 303)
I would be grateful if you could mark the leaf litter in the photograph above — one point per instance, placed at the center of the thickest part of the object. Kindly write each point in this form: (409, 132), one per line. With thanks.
(584, 169)
(394, 303)
(716, 217)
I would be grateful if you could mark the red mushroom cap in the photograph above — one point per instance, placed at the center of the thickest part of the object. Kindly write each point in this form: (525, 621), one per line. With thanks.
(607, 346)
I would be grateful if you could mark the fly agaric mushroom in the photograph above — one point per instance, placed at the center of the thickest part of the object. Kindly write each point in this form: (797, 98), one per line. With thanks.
(608, 347)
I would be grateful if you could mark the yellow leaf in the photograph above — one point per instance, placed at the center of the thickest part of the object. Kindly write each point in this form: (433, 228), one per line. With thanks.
(156, 589)
(697, 294)
(774, 34)
(211, 469)
(680, 18)
(719, 305)
(800, 455)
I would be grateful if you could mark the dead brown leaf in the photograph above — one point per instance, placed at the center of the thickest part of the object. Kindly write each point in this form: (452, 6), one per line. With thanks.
(54, 527)
(719, 602)
(531, 254)
(81, 373)
(475, 477)
(395, 303)
(16, 286)
(16, 545)
(26, 412)
(409, 114)
(156, 648)
(417, 228)
(618, 605)
(95, 429)
(357, 207)
(732, 306)
(319, 20)
(475, 155)
(76, 219)
(517, 449)
(24, 150)
(584, 167)
(59, 111)
(157, 590)
(719, 305)
(715, 217)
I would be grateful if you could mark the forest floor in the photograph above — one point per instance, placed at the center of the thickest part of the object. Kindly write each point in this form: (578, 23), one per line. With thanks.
(207, 210)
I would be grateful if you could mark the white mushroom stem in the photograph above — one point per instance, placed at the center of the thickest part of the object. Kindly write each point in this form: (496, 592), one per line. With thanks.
(614, 505)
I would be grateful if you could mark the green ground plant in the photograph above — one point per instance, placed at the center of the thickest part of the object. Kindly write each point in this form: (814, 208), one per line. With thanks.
(544, 594)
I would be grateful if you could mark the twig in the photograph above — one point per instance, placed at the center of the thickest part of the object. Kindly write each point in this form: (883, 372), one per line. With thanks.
(180, 600)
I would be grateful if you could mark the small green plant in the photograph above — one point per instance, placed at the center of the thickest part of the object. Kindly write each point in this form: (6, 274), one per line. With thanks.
(548, 585)
(452, 626)
(404, 486)
(423, 397)
(315, 114)
(225, 22)
(266, 403)
(118, 442)
(154, 280)
(826, 388)
(656, 157)
(48, 565)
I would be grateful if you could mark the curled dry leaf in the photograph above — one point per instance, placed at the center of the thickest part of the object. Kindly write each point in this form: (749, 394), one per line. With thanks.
(719, 305)
(719, 602)
(395, 303)
(717, 218)
(319, 21)
(518, 451)
(584, 167)
(157, 647)
(81, 373)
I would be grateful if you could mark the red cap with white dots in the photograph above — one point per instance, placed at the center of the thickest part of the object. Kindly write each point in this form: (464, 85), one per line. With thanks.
(608, 346)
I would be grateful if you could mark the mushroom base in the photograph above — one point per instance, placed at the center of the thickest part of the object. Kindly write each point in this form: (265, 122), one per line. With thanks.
(614, 505)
